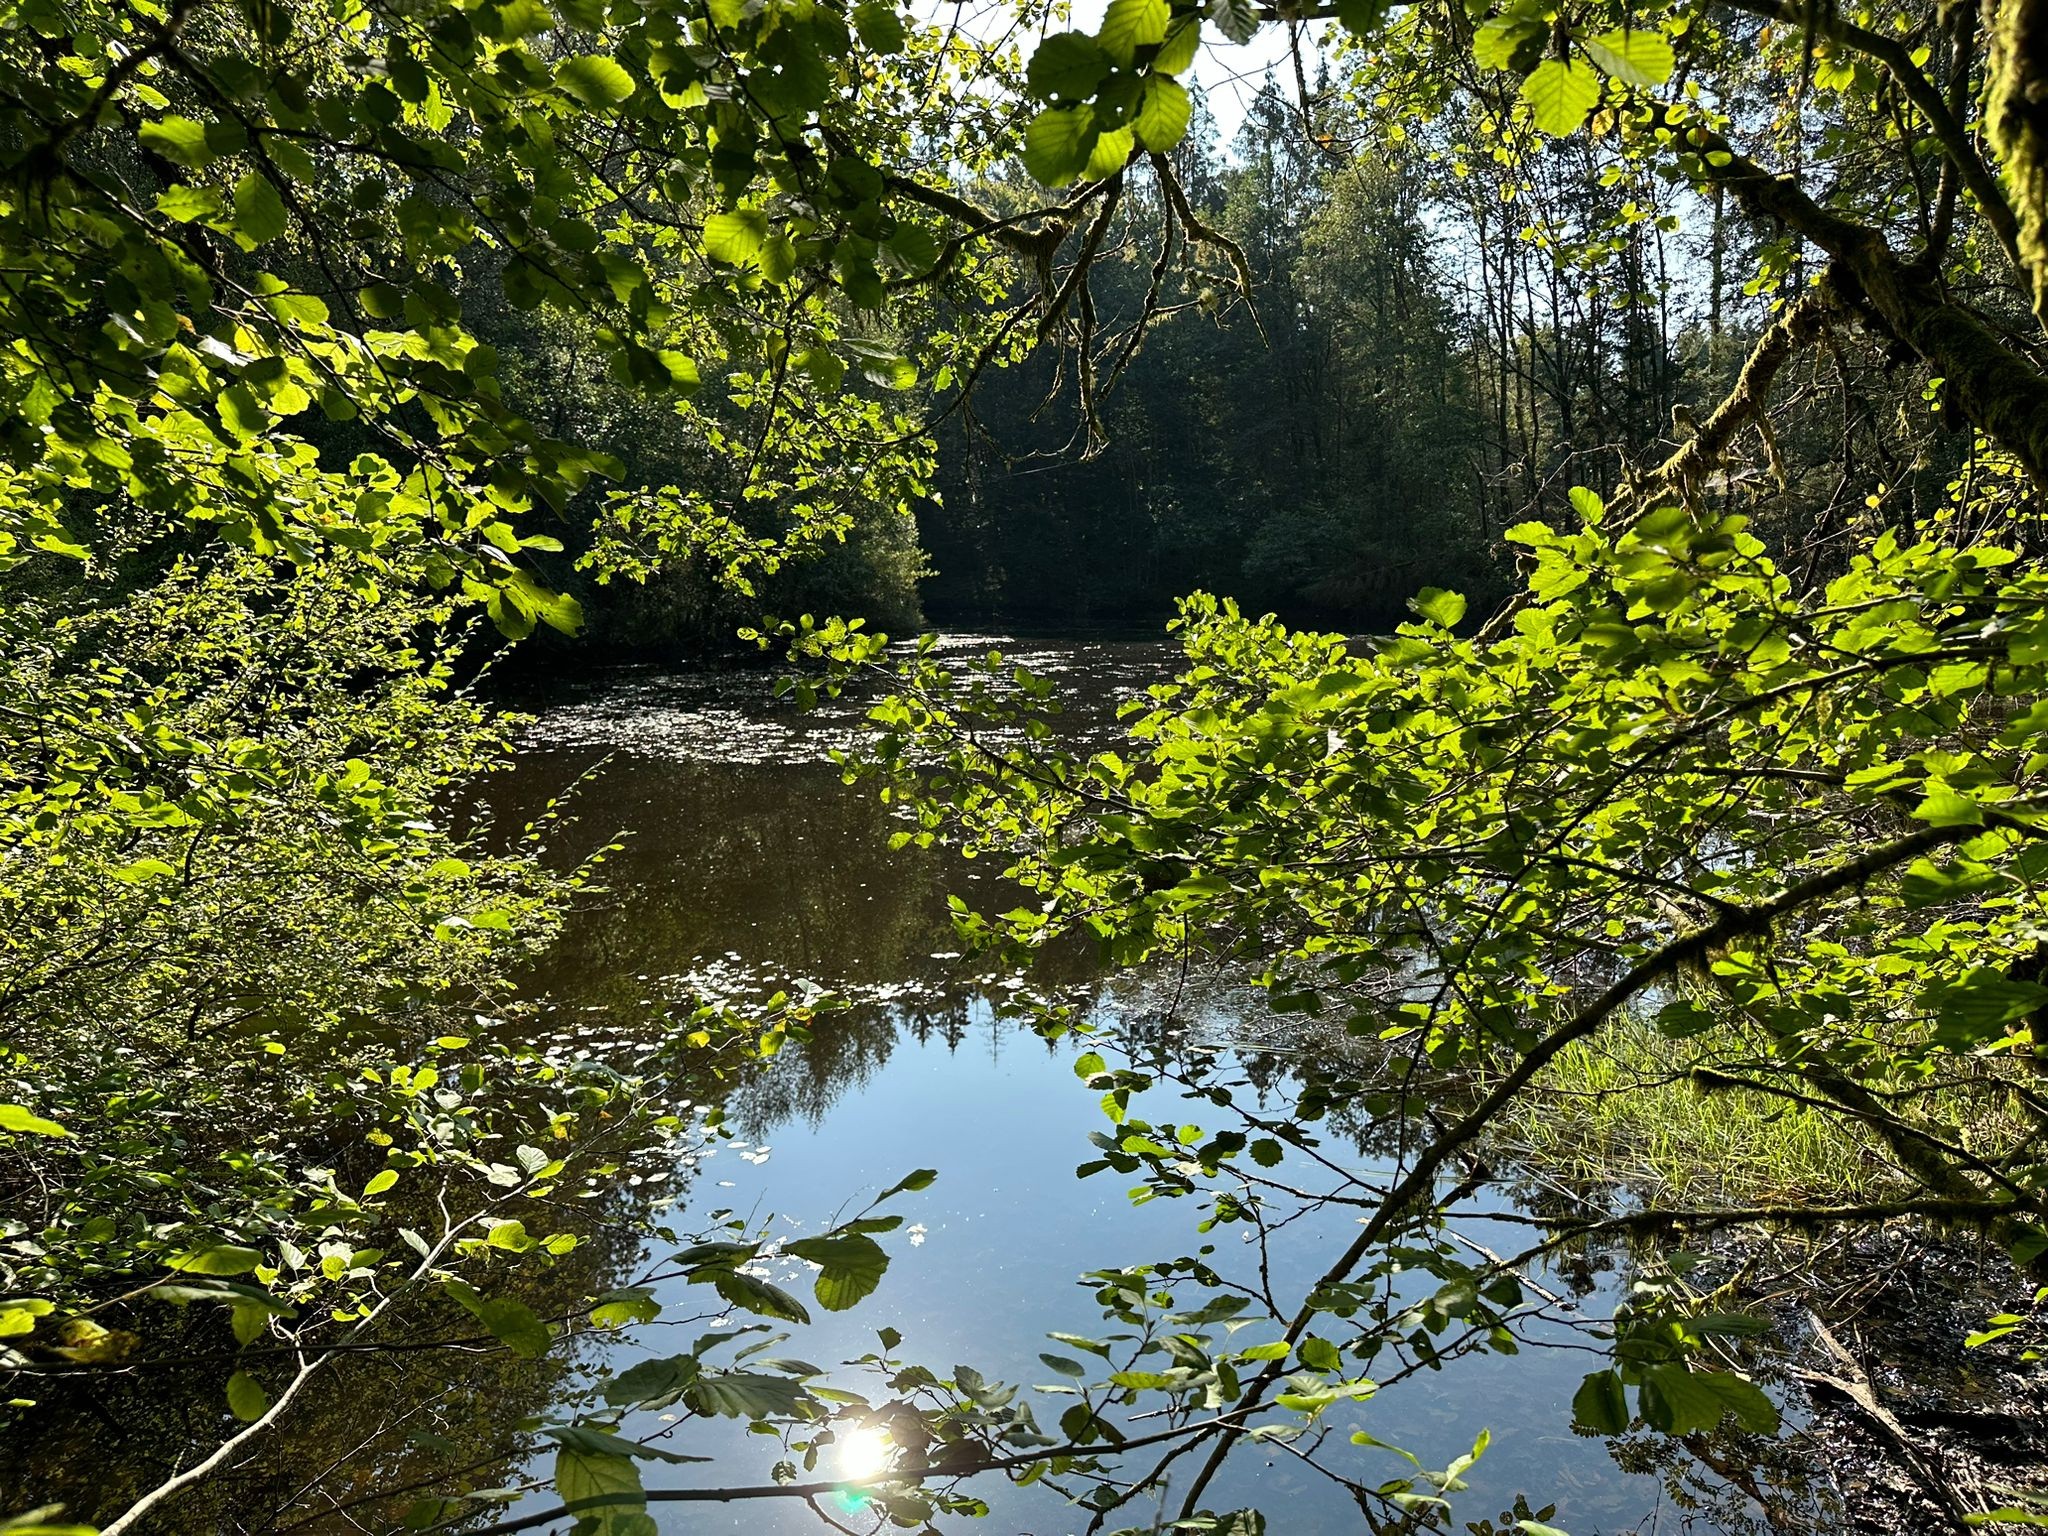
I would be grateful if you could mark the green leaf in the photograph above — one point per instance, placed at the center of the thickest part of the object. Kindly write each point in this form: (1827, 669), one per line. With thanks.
(1680, 1401)
(788, 1366)
(1740, 1325)
(1681, 1018)
(1363, 18)
(615, 1309)
(1068, 66)
(184, 204)
(652, 1383)
(1183, 42)
(178, 139)
(226, 1259)
(700, 1256)
(1640, 58)
(379, 1182)
(1129, 25)
(227, 1291)
(2028, 1245)
(778, 261)
(1944, 806)
(595, 1441)
(249, 1319)
(1453, 1474)
(259, 211)
(246, 1398)
(513, 1324)
(511, 1236)
(752, 1294)
(1093, 1346)
(911, 1183)
(1319, 1354)
(20, 1120)
(1494, 45)
(1561, 95)
(879, 26)
(1111, 150)
(1163, 113)
(242, 414)
(852, 1266)
(594, 80)
(736, 238)
(1237, 20)
(887, 369)
(1145, 1381)
(1439, 607)
(1600, 1406)
(1979, 1005)
(914, 247)
(862, 284)
(1057, 144)
(507, 1320)
(745, 1395)
(1312, 1401)
(603, 1492)
(19, 1317)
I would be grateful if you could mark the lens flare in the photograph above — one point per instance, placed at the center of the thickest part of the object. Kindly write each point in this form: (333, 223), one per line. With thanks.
(865, 1453)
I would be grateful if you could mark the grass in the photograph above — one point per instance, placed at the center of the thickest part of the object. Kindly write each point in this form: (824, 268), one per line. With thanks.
(1622, 1109)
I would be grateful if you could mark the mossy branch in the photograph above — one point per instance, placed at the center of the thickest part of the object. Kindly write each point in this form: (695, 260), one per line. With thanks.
(2001, 393)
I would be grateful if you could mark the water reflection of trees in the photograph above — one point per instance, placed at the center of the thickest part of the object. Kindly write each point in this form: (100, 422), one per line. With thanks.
(743, 877)
(392, 1418)
(738, 878)
(780, 865)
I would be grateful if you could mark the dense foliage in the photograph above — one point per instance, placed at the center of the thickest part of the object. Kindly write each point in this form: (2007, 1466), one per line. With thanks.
(303, 315)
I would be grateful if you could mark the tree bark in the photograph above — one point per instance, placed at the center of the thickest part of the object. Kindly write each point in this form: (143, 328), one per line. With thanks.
(1994, 388)
(2016, 121)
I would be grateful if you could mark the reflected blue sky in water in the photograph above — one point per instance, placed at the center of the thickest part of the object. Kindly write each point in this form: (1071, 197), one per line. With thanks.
(749, 865)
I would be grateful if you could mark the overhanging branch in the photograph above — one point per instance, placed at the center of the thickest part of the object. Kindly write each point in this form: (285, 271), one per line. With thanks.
(1997, 391)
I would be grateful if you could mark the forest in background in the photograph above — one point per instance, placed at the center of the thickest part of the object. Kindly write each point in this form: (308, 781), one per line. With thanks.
(1434, 346)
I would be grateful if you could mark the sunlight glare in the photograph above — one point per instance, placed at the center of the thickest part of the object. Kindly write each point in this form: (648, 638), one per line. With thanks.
(865, 1453)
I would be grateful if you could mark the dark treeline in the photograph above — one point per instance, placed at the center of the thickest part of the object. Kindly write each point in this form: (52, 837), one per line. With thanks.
(1436, 348)
(1321, 452)
(1440, 348)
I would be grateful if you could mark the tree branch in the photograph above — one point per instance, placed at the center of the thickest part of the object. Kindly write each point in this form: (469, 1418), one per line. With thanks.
(1684, 950)
(1998, 392)
(1977, 176)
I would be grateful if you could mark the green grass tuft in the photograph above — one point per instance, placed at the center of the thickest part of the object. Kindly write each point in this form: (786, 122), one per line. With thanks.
(1622, 1108)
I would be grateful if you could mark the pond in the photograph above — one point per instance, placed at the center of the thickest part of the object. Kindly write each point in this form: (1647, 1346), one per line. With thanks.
(745, 866)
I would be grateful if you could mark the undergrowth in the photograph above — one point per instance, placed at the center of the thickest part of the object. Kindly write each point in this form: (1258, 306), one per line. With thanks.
(1623, 1108)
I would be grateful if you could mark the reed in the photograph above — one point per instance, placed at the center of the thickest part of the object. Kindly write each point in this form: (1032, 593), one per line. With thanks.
(1622, 1109)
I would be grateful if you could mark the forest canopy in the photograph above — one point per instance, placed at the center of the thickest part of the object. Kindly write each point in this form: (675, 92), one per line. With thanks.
(1669, 377)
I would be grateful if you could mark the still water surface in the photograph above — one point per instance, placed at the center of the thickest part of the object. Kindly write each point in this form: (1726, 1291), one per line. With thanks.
(748, 866)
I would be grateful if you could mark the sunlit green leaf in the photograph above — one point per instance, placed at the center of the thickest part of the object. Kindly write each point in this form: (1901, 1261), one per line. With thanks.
(1561, 95)
(594, 80)
(1128, 25)
(1634, 57)
(246, 1398)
